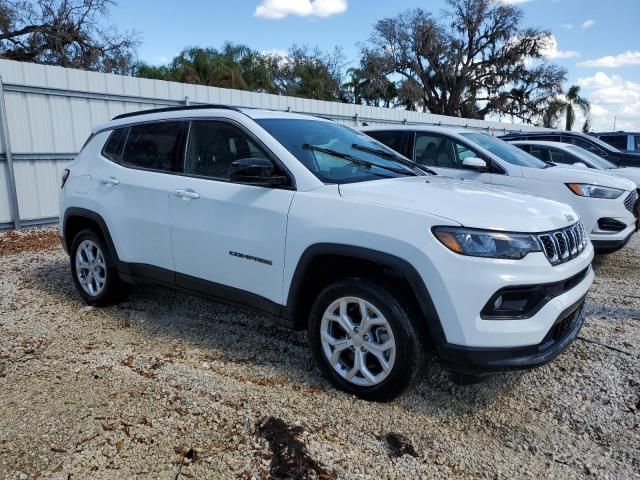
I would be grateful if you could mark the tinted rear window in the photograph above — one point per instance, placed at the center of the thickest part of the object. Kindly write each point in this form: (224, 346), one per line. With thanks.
(113, 148)
(154, 146)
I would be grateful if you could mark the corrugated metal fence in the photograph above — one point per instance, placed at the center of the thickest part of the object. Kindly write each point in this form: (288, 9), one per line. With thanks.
(47, 113)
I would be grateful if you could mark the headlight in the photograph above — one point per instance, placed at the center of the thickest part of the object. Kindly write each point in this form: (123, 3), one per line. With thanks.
(594, 191)
(481, 243)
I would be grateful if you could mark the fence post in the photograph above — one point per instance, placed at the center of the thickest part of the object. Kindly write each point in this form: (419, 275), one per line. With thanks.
(11, 178)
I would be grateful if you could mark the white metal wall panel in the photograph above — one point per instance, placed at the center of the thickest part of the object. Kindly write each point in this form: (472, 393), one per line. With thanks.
(38, 185)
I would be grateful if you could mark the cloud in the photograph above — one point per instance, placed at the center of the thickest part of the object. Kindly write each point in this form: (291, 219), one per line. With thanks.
(614, 61)
(588, 23)
(611, 96)
(277, 9)
(275, 52)
(514, 2)
(551, 51)
(567, 26)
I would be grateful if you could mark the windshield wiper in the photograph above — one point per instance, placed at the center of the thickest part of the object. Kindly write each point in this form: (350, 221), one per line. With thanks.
(392, 156)
(356, 160)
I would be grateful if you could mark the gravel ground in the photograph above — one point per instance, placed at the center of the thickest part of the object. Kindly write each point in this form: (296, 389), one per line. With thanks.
(171, 386)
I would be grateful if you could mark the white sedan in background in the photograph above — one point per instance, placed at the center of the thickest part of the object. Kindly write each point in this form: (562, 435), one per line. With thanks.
(566, 154)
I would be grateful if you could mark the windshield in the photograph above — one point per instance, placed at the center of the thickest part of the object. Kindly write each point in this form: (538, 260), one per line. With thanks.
(335, 153)
(592, 157)
(505, 151)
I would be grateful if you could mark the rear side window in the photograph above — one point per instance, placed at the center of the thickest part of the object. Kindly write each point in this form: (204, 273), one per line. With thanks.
(113, 148)
(558, 156)
(155, 146)
(539, 152)
(618, 141)
(391, 138)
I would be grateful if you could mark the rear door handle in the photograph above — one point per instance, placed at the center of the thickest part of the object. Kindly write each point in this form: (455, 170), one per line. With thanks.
(187, 194)
(109, 181)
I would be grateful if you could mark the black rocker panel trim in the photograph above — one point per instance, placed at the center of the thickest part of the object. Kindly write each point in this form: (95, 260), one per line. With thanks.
(141, 274)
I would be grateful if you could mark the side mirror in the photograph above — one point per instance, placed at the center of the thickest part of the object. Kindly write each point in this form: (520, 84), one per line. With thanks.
(475, 163)
(254, 171)
(580, 165)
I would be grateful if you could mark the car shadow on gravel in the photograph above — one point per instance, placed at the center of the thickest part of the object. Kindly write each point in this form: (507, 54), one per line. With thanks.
(230, 334)
(613, 311)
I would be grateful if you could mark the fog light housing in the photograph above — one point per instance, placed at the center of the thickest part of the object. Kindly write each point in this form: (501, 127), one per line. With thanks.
(513, 303)
(611, 225)
(524, 301)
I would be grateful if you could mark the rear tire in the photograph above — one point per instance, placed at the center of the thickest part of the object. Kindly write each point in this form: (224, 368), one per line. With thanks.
(94, 270)
(365, 340)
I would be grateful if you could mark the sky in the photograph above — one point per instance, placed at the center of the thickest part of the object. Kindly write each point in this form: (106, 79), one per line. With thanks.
(596, 41)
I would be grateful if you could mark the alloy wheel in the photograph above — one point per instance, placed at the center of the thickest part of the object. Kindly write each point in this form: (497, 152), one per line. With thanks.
(357, 341)
(91, 268)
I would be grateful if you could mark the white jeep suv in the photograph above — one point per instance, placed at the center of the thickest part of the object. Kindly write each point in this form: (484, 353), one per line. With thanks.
(318, 226)
(606, 204)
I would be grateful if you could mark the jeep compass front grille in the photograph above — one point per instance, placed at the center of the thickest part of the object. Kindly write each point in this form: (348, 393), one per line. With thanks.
(630, 201)
(563, 245)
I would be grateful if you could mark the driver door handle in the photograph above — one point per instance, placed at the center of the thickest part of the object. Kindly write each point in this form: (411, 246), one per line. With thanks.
(109, 181)
(187, 194)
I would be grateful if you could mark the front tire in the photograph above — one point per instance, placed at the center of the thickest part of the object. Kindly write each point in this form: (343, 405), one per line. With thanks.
(365, 341)
(94, 270)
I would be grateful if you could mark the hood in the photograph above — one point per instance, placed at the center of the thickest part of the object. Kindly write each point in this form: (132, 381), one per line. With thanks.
(468, 203)
(628, 155)
(630, 173)
(578, 175)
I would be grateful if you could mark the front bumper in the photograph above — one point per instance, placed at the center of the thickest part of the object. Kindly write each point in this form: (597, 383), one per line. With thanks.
(480, 361)
(609, 245)
(591, 210)
(460, 287)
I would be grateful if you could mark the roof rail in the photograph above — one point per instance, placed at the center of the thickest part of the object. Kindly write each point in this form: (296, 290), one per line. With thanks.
(175, 109)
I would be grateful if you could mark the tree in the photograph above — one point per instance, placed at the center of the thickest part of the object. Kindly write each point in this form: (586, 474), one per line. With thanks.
(301, 72)
(475, 62)
(309, 74)
(566, 105)
(234, 66)
(369, 85)
(66, 33)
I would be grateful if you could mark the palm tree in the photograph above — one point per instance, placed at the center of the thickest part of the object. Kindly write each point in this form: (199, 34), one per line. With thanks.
(566, 106)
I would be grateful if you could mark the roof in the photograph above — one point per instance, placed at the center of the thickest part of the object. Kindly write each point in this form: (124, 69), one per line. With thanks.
(538, 132)
(425, 128)
(619, 132)
(542, 143)
(196, 111)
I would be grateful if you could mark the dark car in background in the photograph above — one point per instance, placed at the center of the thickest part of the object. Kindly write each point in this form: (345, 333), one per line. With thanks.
(625, 141)
(593, 144)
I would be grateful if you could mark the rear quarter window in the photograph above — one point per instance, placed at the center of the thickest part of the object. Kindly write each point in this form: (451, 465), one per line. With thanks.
(114, 145)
